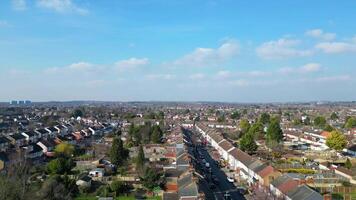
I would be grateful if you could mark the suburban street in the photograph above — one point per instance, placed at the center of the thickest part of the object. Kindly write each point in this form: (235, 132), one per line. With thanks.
(219, 189)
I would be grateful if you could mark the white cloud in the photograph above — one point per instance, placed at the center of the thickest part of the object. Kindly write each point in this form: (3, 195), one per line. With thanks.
(282, 48)
(208, 56)
(307, 68)
(257, 73)
(83, 66)
(131, 63)
(336, 47)
(160, 76)
(80, 67)
(223, 74)
(197, 76)
(334, 78)
(19, 4)
(18, 72)
(62, 6)
(239, 83)
(310, 67)
(320, 34)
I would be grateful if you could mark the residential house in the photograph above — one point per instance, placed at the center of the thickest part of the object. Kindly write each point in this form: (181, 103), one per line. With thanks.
(303, 192)
(53, 131)
(44, 133)
(36, 152)
(47, 146)
(224, 148)
(77, 135)
(31, 136)
(182, 162)
(187, 187)
(4, 143)
(17, 139)
(62, 129)
(267, 175)
(282, 185)
(171, 177)
(351, 150)
(346, 173)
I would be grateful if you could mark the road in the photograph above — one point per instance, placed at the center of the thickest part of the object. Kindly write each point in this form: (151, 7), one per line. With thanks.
(222, 189)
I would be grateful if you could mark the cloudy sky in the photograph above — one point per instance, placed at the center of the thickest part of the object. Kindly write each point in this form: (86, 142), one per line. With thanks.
(186, 50)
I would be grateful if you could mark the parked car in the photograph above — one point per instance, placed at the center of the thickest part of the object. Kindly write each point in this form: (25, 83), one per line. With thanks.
(230, 179)
(207, 165)
(241, 190)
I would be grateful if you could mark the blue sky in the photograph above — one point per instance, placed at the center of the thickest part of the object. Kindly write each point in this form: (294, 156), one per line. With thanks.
(186, 50)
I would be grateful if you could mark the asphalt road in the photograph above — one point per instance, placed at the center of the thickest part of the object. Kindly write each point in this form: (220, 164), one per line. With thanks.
(223, 189)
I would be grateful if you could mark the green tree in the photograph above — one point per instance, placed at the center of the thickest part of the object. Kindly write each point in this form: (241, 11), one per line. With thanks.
(256, 130)
(244, 111)
(160, 115)
(336, 140)
(64, 149)
(274, 132)
(156, 134)
(119, 187)
(14, 183)
(329, 128)
(350, 123)
(103, 191)
(348, 164)
(297, 122)
(140, 160)
(235, 115)
(52, 189)
(150, 115)
(118, 132)
(60, 166)
(334, 116)
(117, 152)
(265, 118)
(320, 121)
(244, 126)
(77, 113)
(221, 118)
(247, 143)
(151, 179)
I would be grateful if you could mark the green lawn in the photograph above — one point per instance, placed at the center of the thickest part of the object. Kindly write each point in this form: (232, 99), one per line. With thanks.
(340, 196)
(86, 198)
